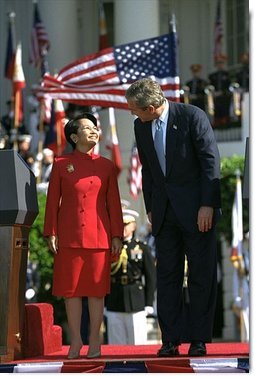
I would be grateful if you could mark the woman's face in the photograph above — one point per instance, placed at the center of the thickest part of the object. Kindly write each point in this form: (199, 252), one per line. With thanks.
(87, 134)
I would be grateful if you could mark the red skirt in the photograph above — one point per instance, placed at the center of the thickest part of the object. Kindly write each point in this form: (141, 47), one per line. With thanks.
(80, 272)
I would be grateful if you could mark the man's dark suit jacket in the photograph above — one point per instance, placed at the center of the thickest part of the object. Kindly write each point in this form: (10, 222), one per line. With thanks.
(192, 167)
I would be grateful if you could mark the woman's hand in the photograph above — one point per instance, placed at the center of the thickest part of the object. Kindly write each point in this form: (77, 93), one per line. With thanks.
(116, 248)
(53, 243)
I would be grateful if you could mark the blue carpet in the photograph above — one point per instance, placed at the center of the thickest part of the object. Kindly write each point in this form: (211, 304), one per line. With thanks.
(125, 367)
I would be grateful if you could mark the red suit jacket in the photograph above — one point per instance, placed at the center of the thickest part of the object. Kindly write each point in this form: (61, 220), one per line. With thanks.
(83, 205)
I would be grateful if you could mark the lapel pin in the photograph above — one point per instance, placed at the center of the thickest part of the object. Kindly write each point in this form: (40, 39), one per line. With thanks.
(175, 127)
(70, 168)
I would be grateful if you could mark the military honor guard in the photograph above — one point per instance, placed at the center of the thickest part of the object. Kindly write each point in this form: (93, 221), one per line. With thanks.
(133, 285)
(242, 76)
(197, 86)
(220, 80)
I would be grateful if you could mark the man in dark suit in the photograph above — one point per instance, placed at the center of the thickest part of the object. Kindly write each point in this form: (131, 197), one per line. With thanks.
(183, 205)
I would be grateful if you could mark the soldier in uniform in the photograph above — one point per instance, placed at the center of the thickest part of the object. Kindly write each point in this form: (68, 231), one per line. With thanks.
(242, 76)
(133, 283)
(220, 80)
(197, 86)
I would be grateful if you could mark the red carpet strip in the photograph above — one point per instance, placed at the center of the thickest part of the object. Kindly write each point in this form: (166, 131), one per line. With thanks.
(221, 357)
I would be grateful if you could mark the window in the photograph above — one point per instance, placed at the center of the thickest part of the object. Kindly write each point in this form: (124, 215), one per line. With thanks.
(237, 33)
(109, 15)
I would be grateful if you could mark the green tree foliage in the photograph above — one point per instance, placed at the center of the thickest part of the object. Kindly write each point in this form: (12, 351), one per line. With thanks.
(229, 166)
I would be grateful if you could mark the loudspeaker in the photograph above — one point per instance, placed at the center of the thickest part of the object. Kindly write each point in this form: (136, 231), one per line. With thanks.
(18, 197)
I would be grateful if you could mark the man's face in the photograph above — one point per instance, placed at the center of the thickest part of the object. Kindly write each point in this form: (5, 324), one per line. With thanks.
(129, 228)
(144, 114)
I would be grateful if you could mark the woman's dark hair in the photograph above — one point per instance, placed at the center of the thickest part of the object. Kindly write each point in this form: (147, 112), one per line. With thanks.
(72, 126)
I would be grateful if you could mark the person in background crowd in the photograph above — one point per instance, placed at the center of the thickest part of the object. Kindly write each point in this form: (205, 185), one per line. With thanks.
(133, 285)
(197, 86)
(24, 143)
(83, 226)
(181, 187)
(8, 119)
(3, 138)
(150, 239)
(47, 164)
(242, 76)
(33, 127)
(220, 80)
(42, 169)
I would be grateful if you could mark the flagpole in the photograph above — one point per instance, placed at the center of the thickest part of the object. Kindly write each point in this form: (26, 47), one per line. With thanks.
(58, 130)
(41, 140)
(16, 118)
(174, 59)
(40, 39)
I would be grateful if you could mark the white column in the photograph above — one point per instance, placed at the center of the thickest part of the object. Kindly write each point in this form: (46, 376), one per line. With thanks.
(136, 19)
(60, 20)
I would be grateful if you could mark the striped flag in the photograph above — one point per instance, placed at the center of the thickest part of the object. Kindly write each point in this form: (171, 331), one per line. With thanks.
(112, 142)
(103, 41)
(240, 280)
(101, 79)
(55, 139)
(18, 82)
(135, 176)
(11, 48)
(39, 40)
(46, 105)
(218, 33)
(52, 367)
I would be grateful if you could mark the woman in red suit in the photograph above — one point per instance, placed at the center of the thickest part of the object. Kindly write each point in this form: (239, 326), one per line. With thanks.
(84, 228)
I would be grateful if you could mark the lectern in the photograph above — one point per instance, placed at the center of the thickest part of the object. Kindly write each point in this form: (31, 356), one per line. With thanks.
(18, 210)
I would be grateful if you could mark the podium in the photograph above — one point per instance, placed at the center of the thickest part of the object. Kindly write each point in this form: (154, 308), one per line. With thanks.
(18, 210)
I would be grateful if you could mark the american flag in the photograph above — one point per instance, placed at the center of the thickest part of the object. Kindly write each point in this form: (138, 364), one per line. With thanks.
(218, 33)
(55, 139)
(135, 177)
(102, 78)
(39, 40)
(112, 142)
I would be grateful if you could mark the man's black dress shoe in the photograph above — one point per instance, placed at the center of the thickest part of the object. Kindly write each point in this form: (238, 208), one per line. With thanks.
(197, 348)
(168, 350)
